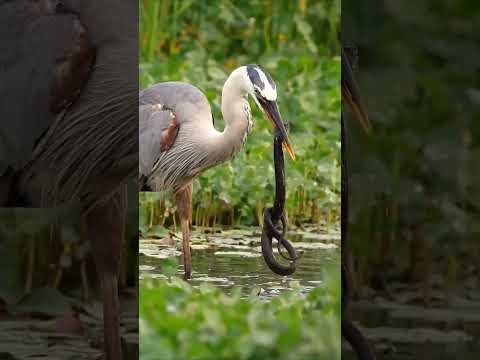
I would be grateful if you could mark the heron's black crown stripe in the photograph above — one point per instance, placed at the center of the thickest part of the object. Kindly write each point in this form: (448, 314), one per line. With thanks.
(252, 71)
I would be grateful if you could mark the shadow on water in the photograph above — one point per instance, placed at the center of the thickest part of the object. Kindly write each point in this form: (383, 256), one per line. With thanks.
(233, 258)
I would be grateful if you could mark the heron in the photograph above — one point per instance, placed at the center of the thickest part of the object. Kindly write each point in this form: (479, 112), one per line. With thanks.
(351, 94)
(69, 94)
(178, 139)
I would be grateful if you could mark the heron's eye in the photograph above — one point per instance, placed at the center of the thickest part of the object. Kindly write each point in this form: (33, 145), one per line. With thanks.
(258, 94)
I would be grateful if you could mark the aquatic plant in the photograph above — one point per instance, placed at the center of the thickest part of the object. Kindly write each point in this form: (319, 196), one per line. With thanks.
(178, 321)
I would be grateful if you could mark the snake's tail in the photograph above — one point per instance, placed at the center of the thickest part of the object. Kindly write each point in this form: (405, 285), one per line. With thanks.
(268, 233)
(284, 243)
(272, 263)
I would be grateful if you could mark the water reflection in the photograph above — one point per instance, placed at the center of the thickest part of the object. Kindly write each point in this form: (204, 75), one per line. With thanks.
(233, 259)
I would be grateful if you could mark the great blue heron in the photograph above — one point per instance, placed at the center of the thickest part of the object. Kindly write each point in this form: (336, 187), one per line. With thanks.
(68, 104)
(178, 140)
(351, 94)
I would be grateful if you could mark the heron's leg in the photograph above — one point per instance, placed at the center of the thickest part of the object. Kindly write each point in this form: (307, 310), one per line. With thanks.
(105, 230)
(123, 215)
(183, 198)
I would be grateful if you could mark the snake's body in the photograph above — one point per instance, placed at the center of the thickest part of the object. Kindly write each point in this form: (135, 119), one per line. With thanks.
(274, 215)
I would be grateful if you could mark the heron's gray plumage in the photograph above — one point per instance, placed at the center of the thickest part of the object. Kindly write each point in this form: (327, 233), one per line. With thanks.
(153, 121)
(77, 155)
(95, 141)
(69, 130)
(198, 146)
(30, 46)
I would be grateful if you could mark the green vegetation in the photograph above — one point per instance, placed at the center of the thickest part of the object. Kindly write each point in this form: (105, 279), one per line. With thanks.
(296, 41)
(419, 76)
(180, 322)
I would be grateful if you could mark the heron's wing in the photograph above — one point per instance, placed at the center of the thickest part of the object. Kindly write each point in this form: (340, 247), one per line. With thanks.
(187, 102)
(45, 59)
(158, 129)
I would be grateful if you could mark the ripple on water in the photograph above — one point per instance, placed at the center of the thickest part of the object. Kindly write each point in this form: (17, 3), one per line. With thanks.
(244, 254)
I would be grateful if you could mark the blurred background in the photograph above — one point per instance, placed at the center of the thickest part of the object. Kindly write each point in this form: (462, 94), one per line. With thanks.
(415, 182)
(235, 307)
(49, 286)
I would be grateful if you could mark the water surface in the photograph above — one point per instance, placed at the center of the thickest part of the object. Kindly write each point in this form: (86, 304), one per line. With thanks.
(407, 331)
(232, 258)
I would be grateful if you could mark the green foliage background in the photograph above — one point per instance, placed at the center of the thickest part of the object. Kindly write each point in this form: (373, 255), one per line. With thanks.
(419, 76)
(201, 42)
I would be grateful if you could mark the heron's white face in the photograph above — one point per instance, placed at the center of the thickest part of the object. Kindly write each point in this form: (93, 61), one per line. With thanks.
(260, 84)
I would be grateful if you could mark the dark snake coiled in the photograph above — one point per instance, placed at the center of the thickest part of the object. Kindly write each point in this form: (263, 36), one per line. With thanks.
(274, 215)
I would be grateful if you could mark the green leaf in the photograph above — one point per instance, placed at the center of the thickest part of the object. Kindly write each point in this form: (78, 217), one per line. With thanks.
(169, 266)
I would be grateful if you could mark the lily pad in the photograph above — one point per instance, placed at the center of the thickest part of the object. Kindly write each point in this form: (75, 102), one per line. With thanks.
(236, 247)
(159, 253)
(201, 246)
(146, 268)
(332, 236)
(212, 279)
(244, 254)
(168, 241)
(153, 276)
(314, 245)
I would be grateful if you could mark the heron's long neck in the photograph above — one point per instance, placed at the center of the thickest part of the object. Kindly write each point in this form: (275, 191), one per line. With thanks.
(236, 114)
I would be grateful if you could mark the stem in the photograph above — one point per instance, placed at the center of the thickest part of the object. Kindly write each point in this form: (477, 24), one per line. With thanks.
(111, 317)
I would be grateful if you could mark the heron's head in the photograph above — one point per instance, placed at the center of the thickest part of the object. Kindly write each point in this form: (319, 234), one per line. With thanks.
(351, 93)
(263, 90)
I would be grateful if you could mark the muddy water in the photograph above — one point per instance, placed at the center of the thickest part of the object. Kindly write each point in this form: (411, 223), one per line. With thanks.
(233, 258)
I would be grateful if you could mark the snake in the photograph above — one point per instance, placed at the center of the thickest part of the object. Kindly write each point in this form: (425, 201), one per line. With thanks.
(274, 220)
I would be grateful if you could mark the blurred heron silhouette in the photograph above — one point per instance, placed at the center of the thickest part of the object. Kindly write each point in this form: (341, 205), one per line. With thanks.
(68, 104)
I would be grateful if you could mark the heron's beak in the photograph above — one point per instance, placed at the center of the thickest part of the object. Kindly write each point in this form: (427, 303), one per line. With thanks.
(270, 108)
(351, 94)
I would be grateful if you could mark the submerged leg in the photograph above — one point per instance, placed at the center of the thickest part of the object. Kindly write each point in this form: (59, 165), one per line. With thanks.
(105, 231)
(183, 198)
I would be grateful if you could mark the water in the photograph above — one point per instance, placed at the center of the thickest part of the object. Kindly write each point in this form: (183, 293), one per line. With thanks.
(233, 258)
(404, 332)
(399, 331)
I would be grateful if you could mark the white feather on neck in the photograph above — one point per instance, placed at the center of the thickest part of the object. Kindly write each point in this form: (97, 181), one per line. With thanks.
(237, 117)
